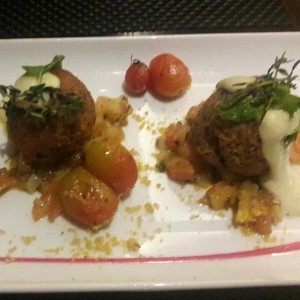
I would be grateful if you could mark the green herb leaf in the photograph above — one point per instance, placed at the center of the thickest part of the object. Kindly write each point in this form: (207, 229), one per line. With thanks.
(39, 71)
(283, 99)
(245, 110)
(267, 91)
(40, 102)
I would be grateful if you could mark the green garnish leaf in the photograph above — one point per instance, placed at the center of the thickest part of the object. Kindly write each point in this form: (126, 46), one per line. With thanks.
(39, 71)
(283, 99)
(40, 102)
(243, 111)
(267, 91)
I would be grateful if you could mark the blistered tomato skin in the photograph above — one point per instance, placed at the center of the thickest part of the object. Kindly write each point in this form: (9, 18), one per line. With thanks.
(137, 78)
(86, 199)
(169, 76)
(112, 163)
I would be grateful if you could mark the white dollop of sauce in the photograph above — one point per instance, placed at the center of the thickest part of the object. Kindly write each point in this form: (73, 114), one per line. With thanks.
(235, 83)
(24, 82)
(284, 178)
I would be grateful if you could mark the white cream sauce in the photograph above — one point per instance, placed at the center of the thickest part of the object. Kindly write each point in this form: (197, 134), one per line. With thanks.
(23, 83)
(284, 178)
(234, 83)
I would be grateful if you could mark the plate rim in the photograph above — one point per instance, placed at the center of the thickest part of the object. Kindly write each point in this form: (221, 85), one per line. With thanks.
(147, 282)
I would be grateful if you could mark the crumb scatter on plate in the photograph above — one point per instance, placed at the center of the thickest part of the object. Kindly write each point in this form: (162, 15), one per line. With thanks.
(27, 240)
(165, 209)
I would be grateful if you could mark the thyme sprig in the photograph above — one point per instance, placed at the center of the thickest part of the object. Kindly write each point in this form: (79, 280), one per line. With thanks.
(276, 69)
(40, 102)
(272, 90)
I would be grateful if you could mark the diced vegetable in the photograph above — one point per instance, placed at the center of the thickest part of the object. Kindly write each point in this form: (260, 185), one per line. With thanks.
(295, 150)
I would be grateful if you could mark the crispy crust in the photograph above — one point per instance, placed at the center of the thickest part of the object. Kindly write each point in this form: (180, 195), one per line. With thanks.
(48, 145)
(226, 145)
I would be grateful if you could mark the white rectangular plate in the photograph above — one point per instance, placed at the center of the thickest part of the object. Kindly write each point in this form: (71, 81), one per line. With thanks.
(182, 244)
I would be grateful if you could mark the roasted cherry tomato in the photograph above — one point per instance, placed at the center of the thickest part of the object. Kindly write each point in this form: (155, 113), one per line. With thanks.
(169, 76)
(137, 77)
(112, 163)
(87, 199)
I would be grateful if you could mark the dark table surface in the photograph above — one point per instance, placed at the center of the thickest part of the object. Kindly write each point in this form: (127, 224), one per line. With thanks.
(74, 18)
(77, 18)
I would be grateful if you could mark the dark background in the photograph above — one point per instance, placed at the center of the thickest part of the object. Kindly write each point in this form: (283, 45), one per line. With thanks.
(82, 18)
(74, 18)
(282, 293)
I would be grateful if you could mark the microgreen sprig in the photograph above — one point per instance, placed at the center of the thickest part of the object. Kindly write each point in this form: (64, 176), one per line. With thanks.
(271, 90)
(40, 102)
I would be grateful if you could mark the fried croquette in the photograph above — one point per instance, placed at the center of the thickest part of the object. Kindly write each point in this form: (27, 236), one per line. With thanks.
(46, 144)
(234, 147)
